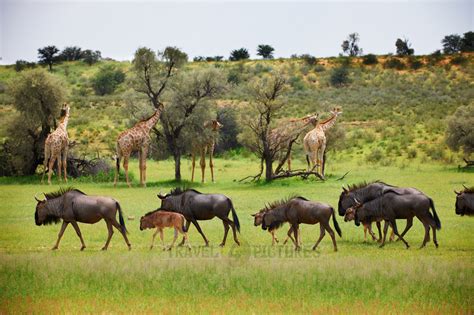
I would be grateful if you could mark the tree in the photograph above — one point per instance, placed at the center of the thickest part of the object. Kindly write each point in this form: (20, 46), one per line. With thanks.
(339, 76)
(370, 59)
(239, 54)
(90, 57)
(467, 42)
(351, 45)
(227, 116)
(266, 51)
(23, 64)
(460, 131)
(451, 44)
(71, 53)
(48, 55)
(266, 94)
(189, 100)
(107, 79)
(404, 47)
(152, 71)
(37, 96)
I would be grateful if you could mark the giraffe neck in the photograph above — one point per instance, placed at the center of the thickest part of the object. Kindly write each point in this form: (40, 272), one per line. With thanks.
(63, 123)
(328, 123)
(151, 122)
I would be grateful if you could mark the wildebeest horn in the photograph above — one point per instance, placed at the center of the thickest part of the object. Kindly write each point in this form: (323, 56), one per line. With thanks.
(160, 195)
(36, 198)
(457, 193)
(464, 186)
(344, 189)
(253, 215)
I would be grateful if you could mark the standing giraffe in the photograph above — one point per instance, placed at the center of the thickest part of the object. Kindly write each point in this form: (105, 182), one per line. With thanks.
(203, 145)
(134, 139)
(56, 146)
(315, 142)
(280, 137)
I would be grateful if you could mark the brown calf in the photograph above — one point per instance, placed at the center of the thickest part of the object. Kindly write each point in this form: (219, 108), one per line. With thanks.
(162, 219)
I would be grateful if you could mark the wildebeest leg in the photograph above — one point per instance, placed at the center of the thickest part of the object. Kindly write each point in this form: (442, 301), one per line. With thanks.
(321, 235)
(409, 224)
(61, 232)
(331, 233)
(196, 224)
(174, 239)
(153, 238)
(111, 232)
(185, 235)
(385, 229)
(395, 230)
(289, 236)
(124, 234)
(78, 232)
(427, 233)
(372, 232)
(295, 232)
(188, 223)
(435, 241)
(380, 231)
(226, 230)
(162, 239)
(365, 231)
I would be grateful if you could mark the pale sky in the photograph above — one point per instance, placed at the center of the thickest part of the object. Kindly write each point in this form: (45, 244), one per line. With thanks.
(118, 28)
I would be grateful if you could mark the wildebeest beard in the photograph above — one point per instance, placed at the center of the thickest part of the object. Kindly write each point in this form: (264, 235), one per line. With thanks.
(51, 219)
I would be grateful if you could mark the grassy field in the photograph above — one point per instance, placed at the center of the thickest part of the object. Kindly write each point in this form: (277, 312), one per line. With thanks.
(253, 278)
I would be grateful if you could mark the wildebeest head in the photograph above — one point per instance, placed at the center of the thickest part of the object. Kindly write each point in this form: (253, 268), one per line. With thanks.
(346, 200)
(145, 223)
(42, 213)
(257, 218)
(168, 201)
(351, 212)
(465, 202)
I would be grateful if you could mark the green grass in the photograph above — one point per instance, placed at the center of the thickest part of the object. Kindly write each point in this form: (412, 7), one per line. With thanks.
(253, 278)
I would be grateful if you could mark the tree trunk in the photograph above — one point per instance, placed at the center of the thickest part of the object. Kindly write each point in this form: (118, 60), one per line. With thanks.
(268, 169)
(177, 165)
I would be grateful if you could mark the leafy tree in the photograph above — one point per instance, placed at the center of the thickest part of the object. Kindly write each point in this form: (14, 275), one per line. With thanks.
(451, 44)
(71, 53)
(48, 55)
(339, 77)
(227, 116)
(107, 79)
(460, 131)
(37, 96)
(370, 59)
(189, 106)
(266, 51)
(90, 57)
(239, 54)
(404, 47)
(151, 71)
(467, 42)
(351, 45)
(23, 64)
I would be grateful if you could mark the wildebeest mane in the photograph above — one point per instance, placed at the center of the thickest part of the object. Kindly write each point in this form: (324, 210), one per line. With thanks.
(468, 190)
(60, 192)
(364, 184)
(179, 190)
(272, 205)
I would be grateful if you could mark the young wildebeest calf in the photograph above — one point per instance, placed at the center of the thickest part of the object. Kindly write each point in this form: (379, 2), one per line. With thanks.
(258, 219)
(391, 206)
(162, 219)
(299, 210)
(465, 201)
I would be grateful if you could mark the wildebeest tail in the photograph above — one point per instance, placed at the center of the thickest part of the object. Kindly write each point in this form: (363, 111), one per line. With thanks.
(435, 215)
(235, 218)
(184, 224)
(334, 222)
(122, 222)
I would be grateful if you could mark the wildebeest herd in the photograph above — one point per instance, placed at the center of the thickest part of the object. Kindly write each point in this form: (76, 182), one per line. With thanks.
(364, 203)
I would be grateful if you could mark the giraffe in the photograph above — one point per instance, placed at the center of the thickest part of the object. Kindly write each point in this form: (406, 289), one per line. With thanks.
(134, 139)
(203, 145)
(56, 147)
(280, 137)
(315, 142)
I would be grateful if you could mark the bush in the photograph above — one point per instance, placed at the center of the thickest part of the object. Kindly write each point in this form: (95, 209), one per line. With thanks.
(458, 60)
(107, 79)
(375, 155)
(23, 64)
(394, 63)
(370, 59)
(415, 63)
(339, 77)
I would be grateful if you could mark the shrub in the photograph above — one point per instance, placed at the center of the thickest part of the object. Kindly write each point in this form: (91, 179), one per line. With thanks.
(339, 77)
(370, 59)
(415, 63)
(394, 63)
(23, 64)
(107, 79)
(375, 155)
(458, 60)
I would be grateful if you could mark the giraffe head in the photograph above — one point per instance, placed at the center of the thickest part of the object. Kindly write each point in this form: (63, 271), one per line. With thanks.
(214, 124)
(336, 111)
(311, 119)
(65, 109)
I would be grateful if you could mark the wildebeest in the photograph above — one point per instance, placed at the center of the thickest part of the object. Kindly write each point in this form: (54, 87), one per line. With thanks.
(72, 206)
(364, 192)
(465, 201)
(160, 219)
(391, 206)
(298, 210)
(196, 206)
(258, 219)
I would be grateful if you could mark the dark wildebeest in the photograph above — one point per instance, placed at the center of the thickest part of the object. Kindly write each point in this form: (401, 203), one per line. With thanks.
(391, 206)
(465, 201)
(258, 219)
(161, 219)
(364, 192)
(196, 206)
(72, 206)
(298, 210)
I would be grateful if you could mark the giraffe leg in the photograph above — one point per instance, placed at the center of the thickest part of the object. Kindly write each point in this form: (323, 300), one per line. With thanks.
(143, 167)
(47, 156)
(117, 166)
(193, 166)
(59, 160)
(203, 164)
(65, 163)
(211, 164)
(125, 167)
(50, 168)
(140, 167)
(321, 158)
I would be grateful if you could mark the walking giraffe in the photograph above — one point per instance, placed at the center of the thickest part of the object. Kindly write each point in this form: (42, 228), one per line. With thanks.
(134, 139)
(56, 147)
(315, 142)
(203, 145)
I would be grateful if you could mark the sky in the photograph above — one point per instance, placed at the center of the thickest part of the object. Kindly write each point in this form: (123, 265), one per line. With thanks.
(210, 28)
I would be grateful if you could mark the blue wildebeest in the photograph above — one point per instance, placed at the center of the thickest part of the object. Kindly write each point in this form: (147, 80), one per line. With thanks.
(364, 192)
(299, 210)
(196, 206)
(73, 206)
(390, 207)
(258, 219)
(465, 201)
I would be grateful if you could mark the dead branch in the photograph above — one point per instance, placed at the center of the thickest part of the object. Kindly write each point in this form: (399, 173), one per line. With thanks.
(341, 178)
